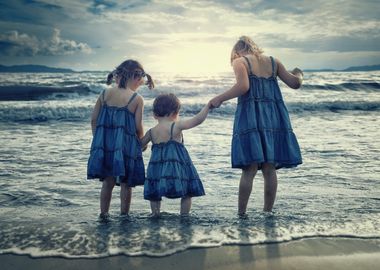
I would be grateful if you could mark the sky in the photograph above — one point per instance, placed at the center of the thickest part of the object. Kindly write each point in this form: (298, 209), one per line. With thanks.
(187, 36)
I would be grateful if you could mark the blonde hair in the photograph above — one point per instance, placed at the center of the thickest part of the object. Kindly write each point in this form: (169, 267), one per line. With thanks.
(245, 45)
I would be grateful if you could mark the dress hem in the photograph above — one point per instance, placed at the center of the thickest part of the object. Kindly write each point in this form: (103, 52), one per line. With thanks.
(174, 197)
(281, 165)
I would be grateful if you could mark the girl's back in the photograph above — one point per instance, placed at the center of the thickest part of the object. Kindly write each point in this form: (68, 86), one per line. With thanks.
(115, 149)
(119, 98)
(162, 133)
(261, 66)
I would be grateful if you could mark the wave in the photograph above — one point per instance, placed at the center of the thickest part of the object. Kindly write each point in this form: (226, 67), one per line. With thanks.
(333, 106)
(97, 239)
(43, 114)
(71, 89)
(46, 112)
(54, 252)
(201, 81)
(359, 86)
(36, 92)
(304, 107)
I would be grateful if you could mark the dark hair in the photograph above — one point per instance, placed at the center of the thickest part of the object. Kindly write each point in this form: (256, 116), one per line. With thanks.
(165, 105)
(127, 70)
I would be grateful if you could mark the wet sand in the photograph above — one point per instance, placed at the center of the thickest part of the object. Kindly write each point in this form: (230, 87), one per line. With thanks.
(313, 253)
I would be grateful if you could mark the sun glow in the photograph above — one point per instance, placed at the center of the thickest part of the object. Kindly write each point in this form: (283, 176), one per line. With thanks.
(193, 58)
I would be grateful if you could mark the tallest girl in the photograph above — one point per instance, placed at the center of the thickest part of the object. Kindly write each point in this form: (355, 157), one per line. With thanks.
(262, 134)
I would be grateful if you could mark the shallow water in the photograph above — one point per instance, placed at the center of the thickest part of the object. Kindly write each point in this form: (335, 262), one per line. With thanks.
(49, 208)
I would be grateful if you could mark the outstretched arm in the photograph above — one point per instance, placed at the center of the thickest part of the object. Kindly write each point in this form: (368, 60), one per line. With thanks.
(240, 87)
(195, 120)
(292, 79)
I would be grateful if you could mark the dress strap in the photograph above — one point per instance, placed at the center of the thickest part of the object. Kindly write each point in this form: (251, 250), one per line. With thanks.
(102, 96)
(131, 99)
(171, 131)
(249, 65)
(273, 66)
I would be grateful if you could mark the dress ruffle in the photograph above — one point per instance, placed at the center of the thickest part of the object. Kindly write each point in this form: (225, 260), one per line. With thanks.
(171, 173)
(115, 149)
(262, 130)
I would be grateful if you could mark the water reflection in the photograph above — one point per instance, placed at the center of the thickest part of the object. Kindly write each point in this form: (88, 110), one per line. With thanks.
(272, 249)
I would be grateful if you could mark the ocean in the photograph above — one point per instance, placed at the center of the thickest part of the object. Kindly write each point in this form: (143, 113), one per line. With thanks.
(49, 208)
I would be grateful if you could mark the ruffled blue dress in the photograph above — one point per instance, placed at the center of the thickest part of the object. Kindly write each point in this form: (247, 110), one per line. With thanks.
(171, 172)
(116, 149)
(262, 131)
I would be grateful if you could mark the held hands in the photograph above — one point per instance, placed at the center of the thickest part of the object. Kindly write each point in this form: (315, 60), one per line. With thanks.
(214, 103)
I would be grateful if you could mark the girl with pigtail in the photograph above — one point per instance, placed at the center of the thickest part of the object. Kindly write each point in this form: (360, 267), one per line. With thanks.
(116, 121)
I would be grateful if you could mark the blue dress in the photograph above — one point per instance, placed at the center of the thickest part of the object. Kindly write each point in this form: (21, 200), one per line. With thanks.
(171, 172)
(262, 131)
(115, 149)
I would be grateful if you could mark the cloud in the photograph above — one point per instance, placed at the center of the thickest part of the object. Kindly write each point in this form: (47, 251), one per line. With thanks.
(13, 43)
(42, 4)
(326, 43)
(154, 30)
(99, 7)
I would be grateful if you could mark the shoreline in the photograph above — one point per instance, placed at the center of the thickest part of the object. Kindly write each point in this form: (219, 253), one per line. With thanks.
(310, 253)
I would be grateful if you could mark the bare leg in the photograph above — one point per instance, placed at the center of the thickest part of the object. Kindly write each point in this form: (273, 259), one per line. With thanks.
(245, 187)
(125, 198)
(270, 185)
(106, 195)
(185, 205)
(155, 207)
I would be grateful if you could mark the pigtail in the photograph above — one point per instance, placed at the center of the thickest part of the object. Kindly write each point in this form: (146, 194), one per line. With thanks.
(123, 82)
(149, 82)
(109, 78)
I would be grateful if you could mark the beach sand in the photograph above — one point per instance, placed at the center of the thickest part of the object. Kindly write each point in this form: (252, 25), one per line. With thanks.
(312, 253)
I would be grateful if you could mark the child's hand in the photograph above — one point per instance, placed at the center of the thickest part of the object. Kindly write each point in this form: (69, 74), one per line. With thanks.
(144, 148)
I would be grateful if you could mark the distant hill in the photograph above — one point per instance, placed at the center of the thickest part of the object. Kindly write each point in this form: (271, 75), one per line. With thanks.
(34, 68)
(357, 68)
(363, 68)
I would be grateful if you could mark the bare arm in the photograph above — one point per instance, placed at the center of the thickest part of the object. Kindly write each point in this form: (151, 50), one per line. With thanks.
(94, 115)
(195, 120)
(292, 79)
(239, 88)
(146, 139)
(138, 117)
